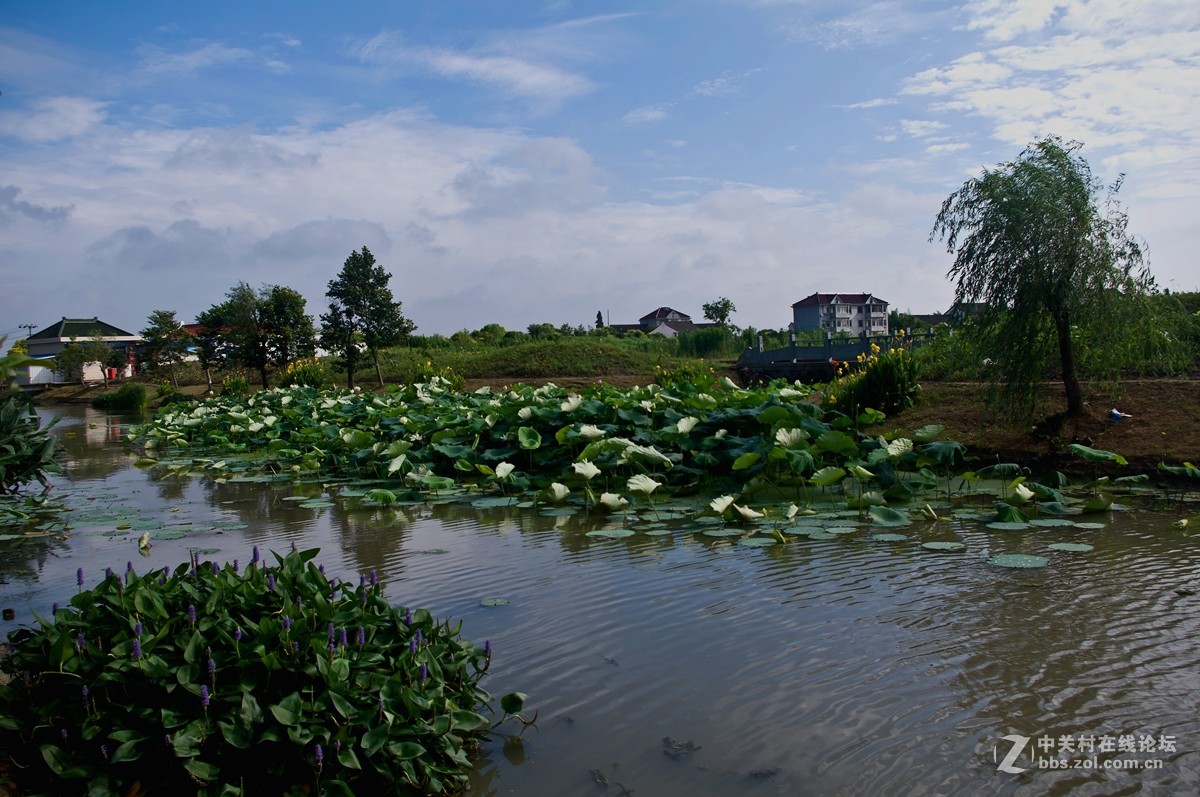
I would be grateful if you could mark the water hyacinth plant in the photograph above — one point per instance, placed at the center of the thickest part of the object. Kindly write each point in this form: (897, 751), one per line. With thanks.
(270, 681)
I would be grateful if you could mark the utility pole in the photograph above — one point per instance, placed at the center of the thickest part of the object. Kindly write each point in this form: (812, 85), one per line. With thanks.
(30, 327)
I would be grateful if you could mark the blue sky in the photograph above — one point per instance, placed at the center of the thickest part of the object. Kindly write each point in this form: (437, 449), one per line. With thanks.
(539, 161)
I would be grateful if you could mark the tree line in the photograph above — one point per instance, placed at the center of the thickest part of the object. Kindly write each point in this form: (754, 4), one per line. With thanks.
(267, 329)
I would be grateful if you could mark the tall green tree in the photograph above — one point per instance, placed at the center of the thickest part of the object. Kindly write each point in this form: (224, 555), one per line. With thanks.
(1053, 264)
(165, 343)
(362, 314)
(256, 330)
(719, 310)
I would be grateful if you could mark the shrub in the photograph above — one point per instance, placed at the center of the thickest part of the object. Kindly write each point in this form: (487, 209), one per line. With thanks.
(883, 380)
(130, 397)
(688, 374)
(271, 680)
(308, 372)
(235, 384)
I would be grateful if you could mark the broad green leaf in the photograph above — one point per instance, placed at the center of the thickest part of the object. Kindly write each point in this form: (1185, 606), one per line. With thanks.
(1096, 455)
(529, 438)
(828, 476)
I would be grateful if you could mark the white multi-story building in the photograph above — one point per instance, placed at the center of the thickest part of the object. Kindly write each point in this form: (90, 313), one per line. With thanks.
(853, 313)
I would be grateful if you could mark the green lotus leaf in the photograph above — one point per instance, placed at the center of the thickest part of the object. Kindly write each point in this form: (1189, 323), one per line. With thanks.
(529, 438)
(758, 542)
(943, 546)
(1096, 455)
(886, 516)
(828, 476)
(888, 537)
(613, 534)
(928, 433)
(1071, 547)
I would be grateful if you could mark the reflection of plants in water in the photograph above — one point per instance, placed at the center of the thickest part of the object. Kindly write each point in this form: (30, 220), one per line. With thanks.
(189, 676)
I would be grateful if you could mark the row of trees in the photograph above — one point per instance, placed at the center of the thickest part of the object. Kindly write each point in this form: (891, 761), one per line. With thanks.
(268, 328)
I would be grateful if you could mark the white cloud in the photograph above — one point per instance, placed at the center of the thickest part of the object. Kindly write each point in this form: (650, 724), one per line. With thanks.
(157, 60)
(53, 119)
(723, 86)
(647, 114)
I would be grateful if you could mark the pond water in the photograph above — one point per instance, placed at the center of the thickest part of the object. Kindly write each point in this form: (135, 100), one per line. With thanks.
(679, 663)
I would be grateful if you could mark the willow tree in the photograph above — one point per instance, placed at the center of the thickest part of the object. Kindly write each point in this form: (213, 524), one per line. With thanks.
(1052, 263)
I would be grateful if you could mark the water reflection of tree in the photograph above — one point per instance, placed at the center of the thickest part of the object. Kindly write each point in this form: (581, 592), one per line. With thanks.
(90, 443)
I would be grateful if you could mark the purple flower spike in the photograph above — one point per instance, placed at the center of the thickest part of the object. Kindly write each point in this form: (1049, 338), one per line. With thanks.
(321, 569)
(287, 624)
(412, 646)
(84, 691)
(80, 643)
(295, 647)
(362, 580)
(128, 566)
(137, 630)
(487, 648)
(212, 666)
(374, 579)
(104, 751)
(204, 699)
(137, 650)
(271, 581)
(235, 567)
(215, 569)
(319, 756)
(424, 672)
(361, 636)
(331, 633)
(343, 639)
(237, 635)
(255, 558)
(191, 614)
(79, 576)
(108, 573)
(420, 639)
(408, 616)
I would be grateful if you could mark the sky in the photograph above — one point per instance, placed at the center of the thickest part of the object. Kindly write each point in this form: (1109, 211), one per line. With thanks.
(529, 162)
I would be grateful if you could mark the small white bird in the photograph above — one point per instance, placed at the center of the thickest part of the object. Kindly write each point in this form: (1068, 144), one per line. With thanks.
(1115, 415)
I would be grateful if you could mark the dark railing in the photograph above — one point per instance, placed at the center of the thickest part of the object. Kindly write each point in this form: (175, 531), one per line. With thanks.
(815, 360)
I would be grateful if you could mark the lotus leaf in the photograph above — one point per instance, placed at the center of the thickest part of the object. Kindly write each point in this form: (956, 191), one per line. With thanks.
(1018, 560)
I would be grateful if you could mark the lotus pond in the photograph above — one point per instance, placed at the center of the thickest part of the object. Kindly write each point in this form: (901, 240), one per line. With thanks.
(680, 643)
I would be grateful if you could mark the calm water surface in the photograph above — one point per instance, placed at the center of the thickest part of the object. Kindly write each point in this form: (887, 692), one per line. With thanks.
(683, 665)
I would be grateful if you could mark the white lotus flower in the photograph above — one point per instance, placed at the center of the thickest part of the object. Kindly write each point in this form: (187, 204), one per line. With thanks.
(524, 413)
(503, 469)
(747, 513)
(719, 505)
(686, 425)
(642, 483)
(588, 432)
(585, 469)
(791, 511)
(720, 435)
(572, 403)
(1022, 493)
(557, 492)
(612, 502)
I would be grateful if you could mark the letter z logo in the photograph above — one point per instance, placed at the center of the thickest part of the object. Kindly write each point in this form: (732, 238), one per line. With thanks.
(1018, 745)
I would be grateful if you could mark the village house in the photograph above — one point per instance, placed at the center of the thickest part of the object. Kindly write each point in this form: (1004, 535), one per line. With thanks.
(663, 321)
(853, 313)
(49, 341)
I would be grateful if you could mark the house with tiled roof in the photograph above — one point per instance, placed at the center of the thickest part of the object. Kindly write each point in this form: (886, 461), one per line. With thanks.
(50, 340)
(663, 321)
(852, 313)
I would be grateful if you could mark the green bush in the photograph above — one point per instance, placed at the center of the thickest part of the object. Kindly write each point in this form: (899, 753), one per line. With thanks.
(308, 372)
(694, 375)
(268, 680)
(882, 380)
(235, 384)
(130, 397)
